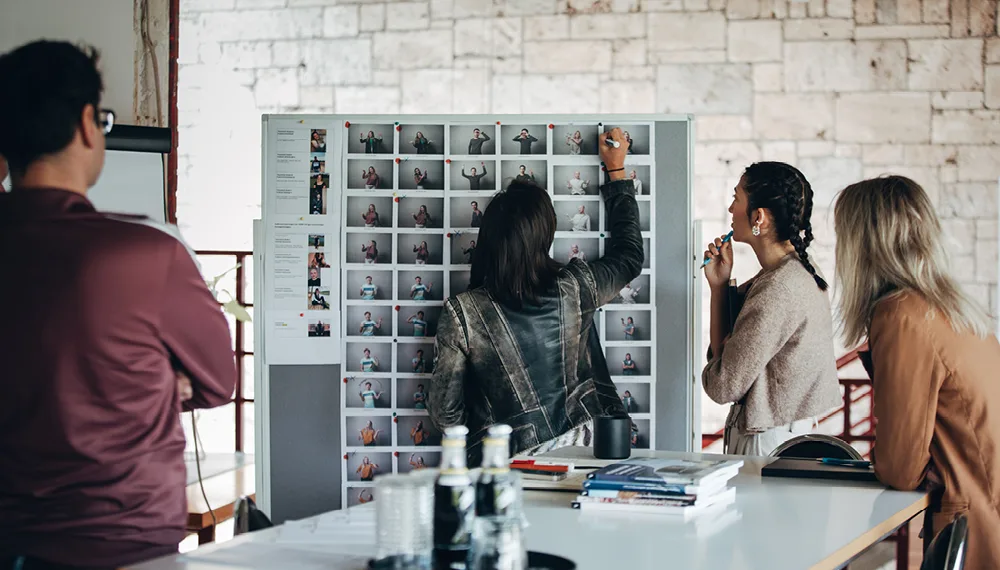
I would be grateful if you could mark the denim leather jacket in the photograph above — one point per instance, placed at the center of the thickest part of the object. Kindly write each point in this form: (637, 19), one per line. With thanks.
(541, 369)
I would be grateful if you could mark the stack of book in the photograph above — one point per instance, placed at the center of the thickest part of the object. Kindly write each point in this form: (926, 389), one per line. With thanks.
(661, 486)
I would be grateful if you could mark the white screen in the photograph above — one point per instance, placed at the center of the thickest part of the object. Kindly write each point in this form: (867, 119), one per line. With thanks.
(131, 183)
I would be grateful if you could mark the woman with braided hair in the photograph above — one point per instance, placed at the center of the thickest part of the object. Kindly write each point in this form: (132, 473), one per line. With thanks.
(775, 362)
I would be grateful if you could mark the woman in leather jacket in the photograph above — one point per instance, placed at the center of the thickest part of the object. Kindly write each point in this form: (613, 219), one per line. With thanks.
(520, 346)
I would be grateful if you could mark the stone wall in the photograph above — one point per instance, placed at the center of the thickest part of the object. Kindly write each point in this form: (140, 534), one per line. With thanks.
(842, 89)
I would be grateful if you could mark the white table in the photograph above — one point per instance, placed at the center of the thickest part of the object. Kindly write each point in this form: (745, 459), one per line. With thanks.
(775, 524)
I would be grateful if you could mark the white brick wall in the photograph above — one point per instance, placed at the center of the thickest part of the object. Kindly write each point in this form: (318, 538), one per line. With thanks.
(841, 88)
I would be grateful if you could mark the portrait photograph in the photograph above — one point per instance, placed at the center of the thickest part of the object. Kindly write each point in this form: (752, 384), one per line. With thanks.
(370, 138)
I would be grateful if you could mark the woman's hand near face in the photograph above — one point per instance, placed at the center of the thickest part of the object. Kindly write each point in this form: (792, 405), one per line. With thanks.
(720, 268)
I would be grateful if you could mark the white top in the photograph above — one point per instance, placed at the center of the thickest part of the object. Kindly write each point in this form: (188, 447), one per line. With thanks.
(577, 186)
(581, 222)
(778, 524)
(628, 294)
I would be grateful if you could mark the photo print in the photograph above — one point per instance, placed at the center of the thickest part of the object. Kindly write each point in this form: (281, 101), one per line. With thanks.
(574, 139)
(415, 358)
(421, 139)
(366, 285)
(369, 248)
(418, 460)
(369, 431)
(420, 249)
(369, 212)
(523, 139)
(634, 292)
(317, 164)
(577, 215)
(319, 327)
(369, 174)
(628, 360)
(369, 320)
(368, 357)
(318, 299)
(419, 285)
(314, 277)
(463, 245)
(367, 392)
(628, 325)
(360, 495)
(370, 138)
(530, 171)
(648, 250)
(639, 175)
(317, 140)
(472, 139)
(644, 221)
(318, 260)
(459, 281)
(365, 466)
(420, 212)
(634, 396)
(467, 211)
(473, 175)
(566, 249)
(411, 393)
(319, 189)
(638, 135)
(640, 434)
(417, 321)
(417, 174)
(416, 431)
(317, 242)
(576, 180)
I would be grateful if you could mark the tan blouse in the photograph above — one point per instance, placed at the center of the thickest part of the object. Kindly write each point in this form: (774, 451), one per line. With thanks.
(778, 361)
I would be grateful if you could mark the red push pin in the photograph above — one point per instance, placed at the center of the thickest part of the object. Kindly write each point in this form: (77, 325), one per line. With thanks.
(604, 169)
(397, 307)
(398, 161)
(447, 161)
(395, 420)
(345, 457)
(395, 454)
(345, 379)
(449, 235)
(551, 126)
(498, 122)
(396, 199)
(347, 124)
(302, 314)
(399, 127)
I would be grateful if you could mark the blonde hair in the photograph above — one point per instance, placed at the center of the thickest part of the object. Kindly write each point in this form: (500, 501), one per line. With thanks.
(888, 243)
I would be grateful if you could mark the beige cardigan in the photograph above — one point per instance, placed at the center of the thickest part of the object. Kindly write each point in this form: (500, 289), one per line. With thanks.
(778, 361)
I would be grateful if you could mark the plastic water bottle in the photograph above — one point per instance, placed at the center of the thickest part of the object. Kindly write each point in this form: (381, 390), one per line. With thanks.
(454, 504)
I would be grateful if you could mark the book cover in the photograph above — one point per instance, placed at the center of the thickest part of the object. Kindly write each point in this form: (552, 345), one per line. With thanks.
(652, 470)
(654, 506)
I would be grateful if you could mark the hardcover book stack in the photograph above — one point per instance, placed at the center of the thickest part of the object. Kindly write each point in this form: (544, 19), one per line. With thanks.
(678, 487)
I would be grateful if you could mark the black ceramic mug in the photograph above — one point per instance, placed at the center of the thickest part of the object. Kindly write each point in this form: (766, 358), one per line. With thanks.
(612, 437)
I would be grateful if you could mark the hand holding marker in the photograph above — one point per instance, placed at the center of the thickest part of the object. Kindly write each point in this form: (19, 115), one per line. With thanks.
(612, 142)
(728, 237)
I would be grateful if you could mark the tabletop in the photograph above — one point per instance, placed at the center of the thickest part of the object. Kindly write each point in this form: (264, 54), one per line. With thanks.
(775, 524)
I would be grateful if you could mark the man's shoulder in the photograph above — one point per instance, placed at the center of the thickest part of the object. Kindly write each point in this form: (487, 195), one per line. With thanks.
(156, 232)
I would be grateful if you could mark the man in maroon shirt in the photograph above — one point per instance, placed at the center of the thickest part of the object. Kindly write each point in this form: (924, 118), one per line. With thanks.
(104, 321)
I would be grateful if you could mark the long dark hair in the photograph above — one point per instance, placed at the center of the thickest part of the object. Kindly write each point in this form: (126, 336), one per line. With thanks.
(785, 192)
(511, 259)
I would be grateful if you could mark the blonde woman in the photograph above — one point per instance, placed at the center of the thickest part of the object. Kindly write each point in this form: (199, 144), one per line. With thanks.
(934, 365)
(775, 363)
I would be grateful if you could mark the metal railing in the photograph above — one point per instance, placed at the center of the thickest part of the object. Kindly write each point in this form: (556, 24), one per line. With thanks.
(239, 397)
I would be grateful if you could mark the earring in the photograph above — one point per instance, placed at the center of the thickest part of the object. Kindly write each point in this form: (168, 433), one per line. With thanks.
(755, 230)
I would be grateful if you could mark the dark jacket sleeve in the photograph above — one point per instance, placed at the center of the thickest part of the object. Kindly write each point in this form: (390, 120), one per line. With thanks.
(446, 397)
(623, 255)
(196, 333)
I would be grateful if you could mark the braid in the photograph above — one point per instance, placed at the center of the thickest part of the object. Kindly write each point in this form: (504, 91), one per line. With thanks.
(784, 191)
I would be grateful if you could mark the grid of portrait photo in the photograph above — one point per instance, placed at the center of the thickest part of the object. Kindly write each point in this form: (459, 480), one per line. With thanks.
(414, 196)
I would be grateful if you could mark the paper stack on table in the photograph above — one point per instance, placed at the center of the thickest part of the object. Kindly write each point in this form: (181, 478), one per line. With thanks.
(678, 487)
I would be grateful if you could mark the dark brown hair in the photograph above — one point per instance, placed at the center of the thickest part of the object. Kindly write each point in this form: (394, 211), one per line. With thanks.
(512, 259)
